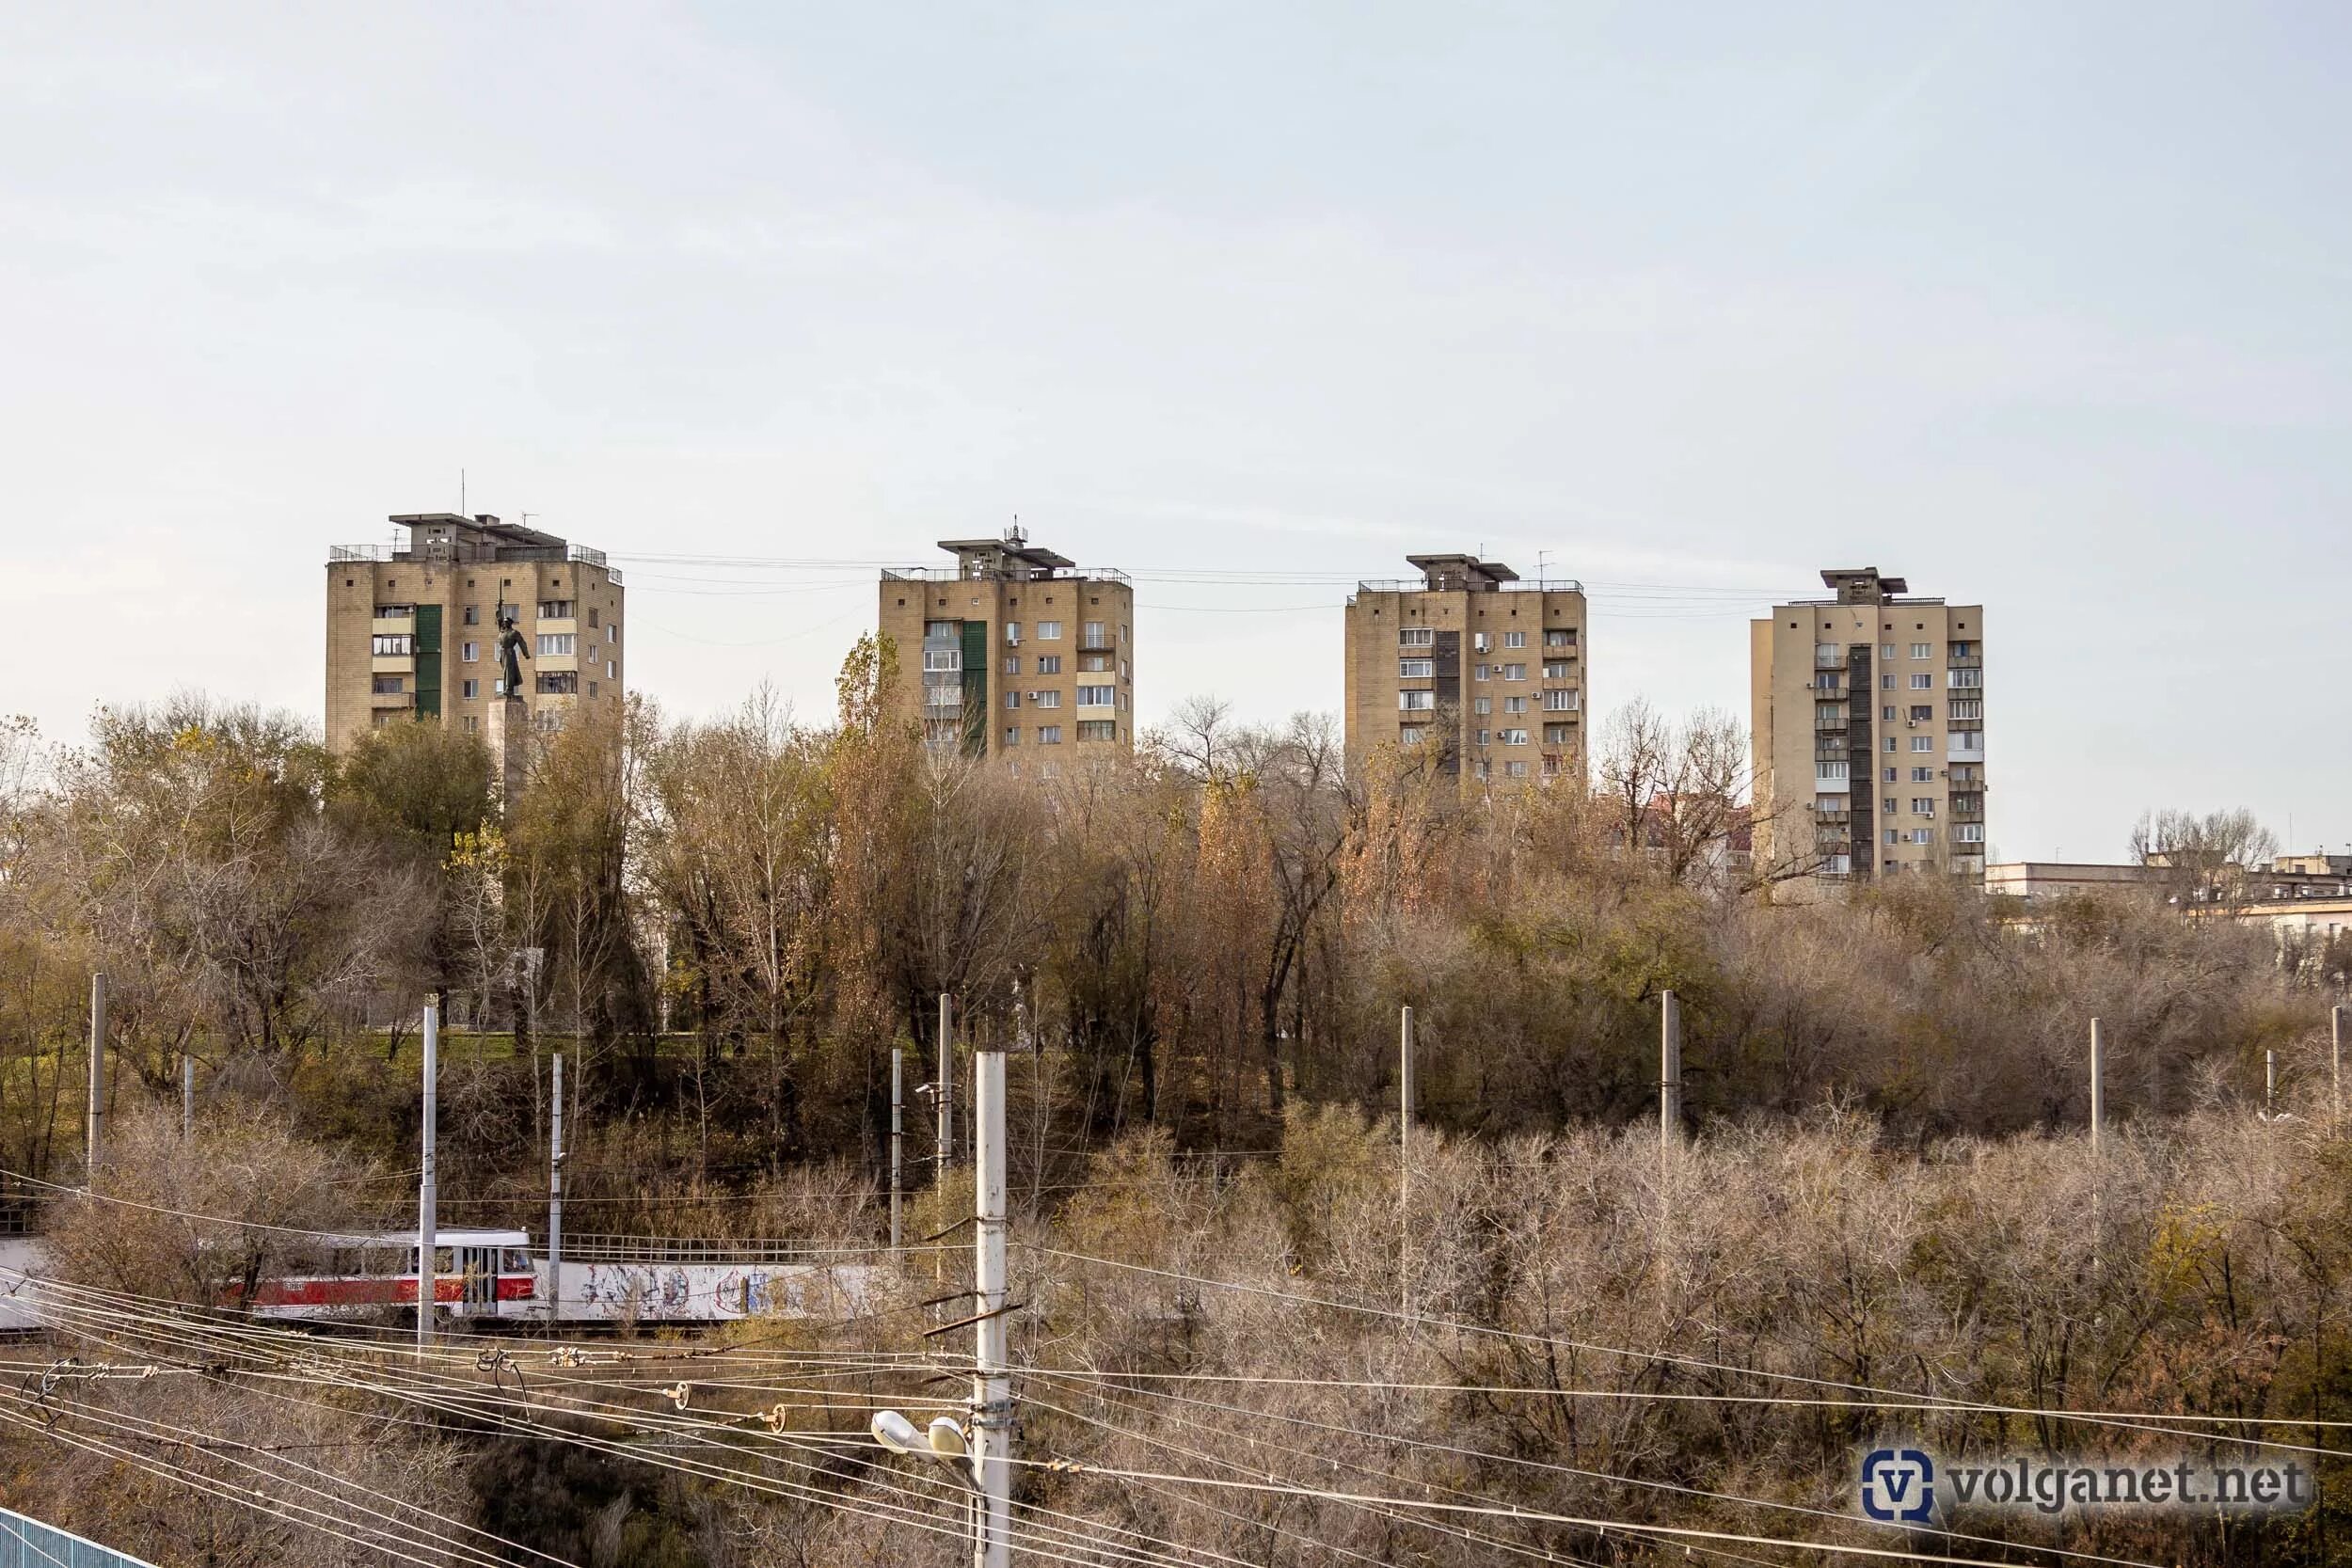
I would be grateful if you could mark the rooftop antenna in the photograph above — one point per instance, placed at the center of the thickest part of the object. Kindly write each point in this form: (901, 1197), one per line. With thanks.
(1541, 557)
(1013, 535)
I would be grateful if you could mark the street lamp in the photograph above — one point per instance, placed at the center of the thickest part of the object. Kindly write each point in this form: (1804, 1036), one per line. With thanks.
(944, 1441)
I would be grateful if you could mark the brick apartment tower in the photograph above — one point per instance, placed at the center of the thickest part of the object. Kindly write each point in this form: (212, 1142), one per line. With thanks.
(1867, 713)
(412, 632)
(1467, 655)
(1014, 652)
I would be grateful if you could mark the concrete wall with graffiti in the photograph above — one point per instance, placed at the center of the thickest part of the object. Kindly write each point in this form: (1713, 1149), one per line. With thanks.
(715, 1292)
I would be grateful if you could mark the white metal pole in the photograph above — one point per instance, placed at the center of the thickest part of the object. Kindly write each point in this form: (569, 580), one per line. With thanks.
(992, 1385)
(555, 1194)
(897, 1145)
(946, 1087)
(428, 1221)
(1669, 1072)
(187, 1095)
(2335, 1061)
(95, 1138)
(2270, 1083)
(2098, 1082)
(1404, 1103)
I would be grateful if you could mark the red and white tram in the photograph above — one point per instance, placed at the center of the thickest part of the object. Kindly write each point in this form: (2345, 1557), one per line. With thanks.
(476, 1274)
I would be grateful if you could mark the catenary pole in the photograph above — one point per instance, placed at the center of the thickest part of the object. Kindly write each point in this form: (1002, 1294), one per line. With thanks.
(992, 1385)
(947, 1086)
(187, 1095)
(2098, 1082)
(428, 1220)
(1669, 1072)
(897, 1145)
(555, 1193)
(2335, 1065)
(2270, 1084)
(95, 1137)
(1405, 1101)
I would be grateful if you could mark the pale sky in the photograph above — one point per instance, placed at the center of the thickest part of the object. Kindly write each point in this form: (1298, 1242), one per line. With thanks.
(2042, 306)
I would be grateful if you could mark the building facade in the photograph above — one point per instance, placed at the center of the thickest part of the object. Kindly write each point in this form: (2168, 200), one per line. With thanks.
(1014, 652)
(412, 632)
(1488, 669)
(1868, 718)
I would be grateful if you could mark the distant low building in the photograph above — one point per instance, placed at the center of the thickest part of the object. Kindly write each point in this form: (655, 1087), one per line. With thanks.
(2038, 881)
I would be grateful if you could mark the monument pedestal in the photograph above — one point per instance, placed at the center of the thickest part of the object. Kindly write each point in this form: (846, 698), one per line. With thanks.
(508, 732)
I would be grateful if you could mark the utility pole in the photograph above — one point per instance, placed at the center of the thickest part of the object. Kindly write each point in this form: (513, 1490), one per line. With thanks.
(992, 1385)
(428, 1221)
(1405, 1102)
(2335, 1066)
(1669, 1074)
(96, 1135)
(897, 1145)
(947, 1086)
(2098, 1082)
(187, 1095)
(2270, 1085)
(555, 1193)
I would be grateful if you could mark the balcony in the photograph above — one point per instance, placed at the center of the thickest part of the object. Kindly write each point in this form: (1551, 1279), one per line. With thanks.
(391, 699)
(1974, 661)
(1824, 817)
(1833, 659)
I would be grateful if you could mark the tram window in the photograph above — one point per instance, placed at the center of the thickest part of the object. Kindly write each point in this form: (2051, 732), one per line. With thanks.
(517, 1261)
(444, 1260)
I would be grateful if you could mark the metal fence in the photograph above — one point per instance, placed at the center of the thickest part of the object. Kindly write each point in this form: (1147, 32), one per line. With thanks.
(29, 1544)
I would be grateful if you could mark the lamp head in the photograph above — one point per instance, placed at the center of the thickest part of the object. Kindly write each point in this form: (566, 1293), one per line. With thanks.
(896, 1432)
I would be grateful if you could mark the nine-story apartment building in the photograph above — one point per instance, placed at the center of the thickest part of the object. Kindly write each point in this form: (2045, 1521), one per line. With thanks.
(1489, 668)
(412, 632)
(1868, 729)
(1014, 652)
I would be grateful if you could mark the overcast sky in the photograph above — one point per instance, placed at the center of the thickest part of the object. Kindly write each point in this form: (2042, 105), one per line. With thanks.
(2042, 306)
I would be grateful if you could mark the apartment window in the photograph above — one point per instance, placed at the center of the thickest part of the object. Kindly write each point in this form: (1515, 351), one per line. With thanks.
(555, 610)
(1887, 683)
(1012, 664)
(1478, 643)
(1515, 704)
(1012, 734)
(1481, 672)
(469, 689)
(1417, 702)
(470, 653)
(1045, 699)
(1410, 735)
(395, 612)
(1012, 698)
(1514, 770)
(559, 682)
(1098, 728)
(473, 615)
(1095, 696)
(1416, 637)
(1967, 772)
(1514, 738)
(613, 632)
(1048, 664)
(609, 667)
(1829, 683)
(1482, 704)
(1920, 775)
(1829, 770)
(1049, 631)
(1889, 775)
(1967, 833)
(1967, 740)
(1966, 708)
(1922, 805)
(592, 689)
(1555, 669)
(1515, 671)
(1924, 681)
(1416, 669)
(1486, 737)
(1894, 836)
(558, 643)
(1888, 805)
(1829, 802)
(1887, 713)
(1559, 700)
(1091, 635)
(471, 723)
(1890, 742)
(1923, 743)
(1923, 835)
(1963, 680)
(1515, 640)
(591, 617)
(1887, 651)
(1478, 768)
(1922, 650)
(1556, 735)
(386, 686)
(1922, 712)
(393, 644)
(1560, 637)
(1049, 735)
(1012, 634)
(1963, 650)
(935, 660)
